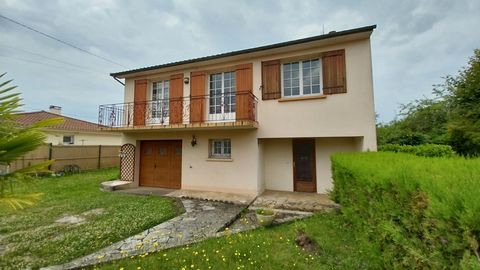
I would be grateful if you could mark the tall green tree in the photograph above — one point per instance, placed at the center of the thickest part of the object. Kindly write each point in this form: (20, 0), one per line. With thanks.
(15, 141)
(451, 117)
(464, 126)
(422, 121)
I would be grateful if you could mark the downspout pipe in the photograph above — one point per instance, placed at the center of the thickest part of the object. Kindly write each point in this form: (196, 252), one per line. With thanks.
(116, 79)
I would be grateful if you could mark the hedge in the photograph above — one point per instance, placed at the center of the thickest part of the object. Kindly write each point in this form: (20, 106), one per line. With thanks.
(425, 150)
(420, 212)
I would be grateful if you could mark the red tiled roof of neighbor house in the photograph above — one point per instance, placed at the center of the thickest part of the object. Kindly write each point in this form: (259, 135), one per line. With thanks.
(69, 123)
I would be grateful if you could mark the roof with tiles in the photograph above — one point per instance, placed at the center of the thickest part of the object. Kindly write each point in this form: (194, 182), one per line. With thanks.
(69, 123)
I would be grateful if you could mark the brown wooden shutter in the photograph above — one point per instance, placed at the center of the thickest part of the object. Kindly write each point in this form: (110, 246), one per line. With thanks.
(176, 99)
(140, 102)
(271, 84)
(244, 86)
(334, 74)
(197, 96)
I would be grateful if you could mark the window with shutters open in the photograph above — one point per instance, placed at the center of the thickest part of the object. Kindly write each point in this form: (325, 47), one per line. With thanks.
(322, 75)
(302, 78)
(160, 104)
(222, 96)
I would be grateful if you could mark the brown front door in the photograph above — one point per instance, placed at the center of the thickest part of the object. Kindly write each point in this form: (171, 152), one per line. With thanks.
(161, 164)
(304, 169)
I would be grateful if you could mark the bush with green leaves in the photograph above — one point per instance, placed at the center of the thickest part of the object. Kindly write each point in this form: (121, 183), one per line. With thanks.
(423, 213)
(425, 150)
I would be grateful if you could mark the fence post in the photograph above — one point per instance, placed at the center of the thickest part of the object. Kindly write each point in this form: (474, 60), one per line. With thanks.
(50, 154)
(99, 156)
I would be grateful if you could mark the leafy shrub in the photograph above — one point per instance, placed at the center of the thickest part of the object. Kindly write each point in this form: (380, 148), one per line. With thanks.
(423, 213)
(425, 150)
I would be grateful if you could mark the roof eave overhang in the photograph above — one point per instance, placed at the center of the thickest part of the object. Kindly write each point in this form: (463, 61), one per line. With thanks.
(330, 38)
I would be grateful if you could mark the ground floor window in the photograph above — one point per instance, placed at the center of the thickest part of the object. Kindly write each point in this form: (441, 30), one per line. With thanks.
(220, 148)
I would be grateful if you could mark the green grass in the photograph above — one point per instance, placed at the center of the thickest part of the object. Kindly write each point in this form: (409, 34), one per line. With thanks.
(31, 237)
(268, 248)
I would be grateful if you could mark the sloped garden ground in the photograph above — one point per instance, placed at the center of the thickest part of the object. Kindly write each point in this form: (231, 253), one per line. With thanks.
(74, 218)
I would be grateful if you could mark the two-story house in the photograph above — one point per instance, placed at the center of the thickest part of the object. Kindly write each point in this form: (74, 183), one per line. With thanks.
(262, 118)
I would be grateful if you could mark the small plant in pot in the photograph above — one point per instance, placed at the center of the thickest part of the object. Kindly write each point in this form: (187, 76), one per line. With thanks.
(265, 217)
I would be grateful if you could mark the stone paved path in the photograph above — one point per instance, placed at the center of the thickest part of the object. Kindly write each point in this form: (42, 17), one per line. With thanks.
(248, 220)
(201, 220)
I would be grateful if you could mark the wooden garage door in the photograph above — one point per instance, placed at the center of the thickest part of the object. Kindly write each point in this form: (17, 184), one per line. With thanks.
(161, 164)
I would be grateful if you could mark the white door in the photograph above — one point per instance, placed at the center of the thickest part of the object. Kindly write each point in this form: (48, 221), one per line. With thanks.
(222, 98)
(160, 104)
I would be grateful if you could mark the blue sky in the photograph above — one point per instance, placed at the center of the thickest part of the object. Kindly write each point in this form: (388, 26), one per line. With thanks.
(415, 44)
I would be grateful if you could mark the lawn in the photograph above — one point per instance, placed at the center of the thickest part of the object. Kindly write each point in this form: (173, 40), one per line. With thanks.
(268, 248)
(31, 237)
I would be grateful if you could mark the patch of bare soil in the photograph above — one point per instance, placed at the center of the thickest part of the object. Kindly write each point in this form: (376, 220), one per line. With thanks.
(306, 243)
(80, 219)
(74, 220)
(94, 212)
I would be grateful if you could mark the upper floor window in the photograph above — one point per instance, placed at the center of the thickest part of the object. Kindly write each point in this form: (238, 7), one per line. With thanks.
(160, 100)
(301, 78)
(221, 94)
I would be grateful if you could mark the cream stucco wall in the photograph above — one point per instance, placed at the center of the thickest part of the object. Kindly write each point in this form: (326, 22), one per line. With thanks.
(342, 115)
(278, 158)
(325, 148)
(240, 175)
(84, 138)
(278, 169)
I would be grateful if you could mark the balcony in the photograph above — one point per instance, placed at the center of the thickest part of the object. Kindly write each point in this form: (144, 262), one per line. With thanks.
(227, 110)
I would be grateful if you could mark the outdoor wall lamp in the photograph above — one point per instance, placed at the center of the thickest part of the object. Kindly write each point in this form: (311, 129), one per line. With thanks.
(186, 80)
(194, 141)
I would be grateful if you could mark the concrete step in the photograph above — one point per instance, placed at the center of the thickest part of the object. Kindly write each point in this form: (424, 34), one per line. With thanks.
(114, 185)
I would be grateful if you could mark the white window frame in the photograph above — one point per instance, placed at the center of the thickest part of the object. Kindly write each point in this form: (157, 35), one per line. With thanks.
(222, 115)
(72, 139)
(300, 76)
(163, 103)
(224, 145)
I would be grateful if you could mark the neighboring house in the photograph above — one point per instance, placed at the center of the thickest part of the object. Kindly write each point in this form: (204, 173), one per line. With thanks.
(72, 131)
(263, 118)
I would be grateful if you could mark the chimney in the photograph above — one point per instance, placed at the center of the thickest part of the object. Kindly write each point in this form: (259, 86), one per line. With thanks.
(55, 109)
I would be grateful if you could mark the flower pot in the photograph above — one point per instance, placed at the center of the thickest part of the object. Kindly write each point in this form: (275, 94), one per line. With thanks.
(265, 218)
